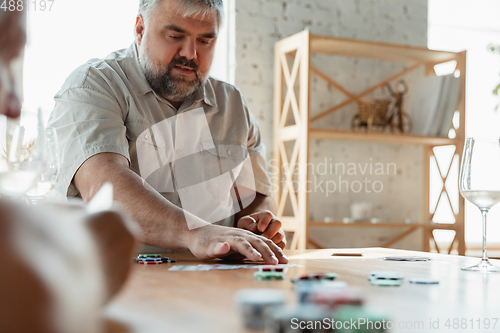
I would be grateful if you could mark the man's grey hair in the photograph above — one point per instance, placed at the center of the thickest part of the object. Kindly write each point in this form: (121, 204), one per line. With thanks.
(187, 8)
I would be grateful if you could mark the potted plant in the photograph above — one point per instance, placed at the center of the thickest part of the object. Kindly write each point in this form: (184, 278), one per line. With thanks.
(495, 49)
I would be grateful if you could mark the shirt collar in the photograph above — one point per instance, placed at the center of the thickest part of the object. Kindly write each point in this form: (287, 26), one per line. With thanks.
(142, 87)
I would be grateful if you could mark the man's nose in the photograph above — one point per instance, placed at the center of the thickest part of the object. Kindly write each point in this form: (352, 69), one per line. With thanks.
(188, 49)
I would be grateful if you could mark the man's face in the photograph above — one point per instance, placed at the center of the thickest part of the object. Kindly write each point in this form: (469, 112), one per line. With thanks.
(12, 41)
(176, 52)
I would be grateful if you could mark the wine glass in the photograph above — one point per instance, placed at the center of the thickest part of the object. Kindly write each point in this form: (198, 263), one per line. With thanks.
(50, 172)
(22, 162)
(480, 184)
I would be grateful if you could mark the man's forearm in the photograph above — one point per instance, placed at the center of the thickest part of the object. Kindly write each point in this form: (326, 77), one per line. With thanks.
(162, 223)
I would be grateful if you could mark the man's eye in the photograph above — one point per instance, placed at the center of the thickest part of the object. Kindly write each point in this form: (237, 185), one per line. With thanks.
(176, 37)
(205, 41)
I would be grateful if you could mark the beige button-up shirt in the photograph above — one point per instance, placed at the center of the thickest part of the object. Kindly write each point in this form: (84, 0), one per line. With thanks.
(107, 106)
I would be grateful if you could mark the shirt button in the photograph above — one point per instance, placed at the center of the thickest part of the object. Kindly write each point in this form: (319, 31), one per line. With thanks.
(146, 136)
(229, 153)
(179, 152)
(185, 190)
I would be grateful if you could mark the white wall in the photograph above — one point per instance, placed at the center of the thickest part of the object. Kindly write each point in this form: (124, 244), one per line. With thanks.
(261, 23)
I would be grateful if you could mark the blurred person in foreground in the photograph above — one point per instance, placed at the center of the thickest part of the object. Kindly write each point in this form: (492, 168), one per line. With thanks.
(60, 263)
(150, 120)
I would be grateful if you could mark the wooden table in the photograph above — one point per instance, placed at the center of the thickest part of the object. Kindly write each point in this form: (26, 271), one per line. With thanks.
(157, 300)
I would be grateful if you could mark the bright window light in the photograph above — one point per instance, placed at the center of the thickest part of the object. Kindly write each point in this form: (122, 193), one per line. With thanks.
(456, 119)
(72, 32)
(445, 68)
(472, 26)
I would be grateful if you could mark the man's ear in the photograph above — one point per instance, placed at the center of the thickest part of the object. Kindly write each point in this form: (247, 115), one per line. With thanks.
(139, 28)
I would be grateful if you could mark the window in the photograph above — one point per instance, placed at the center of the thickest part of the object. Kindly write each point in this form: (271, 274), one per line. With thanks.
(473, 25)
(73, 32)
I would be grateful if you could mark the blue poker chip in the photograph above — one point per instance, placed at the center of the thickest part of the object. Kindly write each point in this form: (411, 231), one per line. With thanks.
(139, 260)
(424, 281)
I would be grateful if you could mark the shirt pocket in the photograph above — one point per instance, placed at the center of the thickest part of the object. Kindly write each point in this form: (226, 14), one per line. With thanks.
(222, 162)
(153, 160)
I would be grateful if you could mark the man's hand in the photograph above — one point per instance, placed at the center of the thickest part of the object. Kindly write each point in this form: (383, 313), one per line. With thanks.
(213, 241)
(162, 223)
(265, 224)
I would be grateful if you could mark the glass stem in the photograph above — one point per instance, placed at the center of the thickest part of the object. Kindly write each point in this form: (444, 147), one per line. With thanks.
(484, 212)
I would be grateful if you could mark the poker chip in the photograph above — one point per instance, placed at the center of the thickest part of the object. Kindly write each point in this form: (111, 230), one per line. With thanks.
(315, 277)
(385, 276)
(259, 275)
(424, 281)
(167, 260)
(148, 259)
(373, 318)
(150, 262)
(307, 289)
(154, 260)
(270, 268)
(148, 256)
(282, 319)
(385, 283)
(255, 303)
(334, 298)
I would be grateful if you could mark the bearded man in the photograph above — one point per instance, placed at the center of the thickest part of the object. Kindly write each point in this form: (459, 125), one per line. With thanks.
(182, 150)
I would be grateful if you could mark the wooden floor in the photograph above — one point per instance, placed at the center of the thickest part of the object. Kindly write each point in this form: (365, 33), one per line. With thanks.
(158, 300)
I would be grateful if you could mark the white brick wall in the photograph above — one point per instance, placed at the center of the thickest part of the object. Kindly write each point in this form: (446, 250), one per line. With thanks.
(260, 23)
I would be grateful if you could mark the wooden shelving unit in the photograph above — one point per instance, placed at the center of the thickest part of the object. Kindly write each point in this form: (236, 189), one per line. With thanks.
(288, 103)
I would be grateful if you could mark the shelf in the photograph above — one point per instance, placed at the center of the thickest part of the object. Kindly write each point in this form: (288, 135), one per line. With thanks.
(443, 226)
(288, 101)
(380, 51)
(317, 133)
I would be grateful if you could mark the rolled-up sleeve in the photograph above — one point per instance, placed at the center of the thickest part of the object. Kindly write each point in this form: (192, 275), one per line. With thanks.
(88, 121)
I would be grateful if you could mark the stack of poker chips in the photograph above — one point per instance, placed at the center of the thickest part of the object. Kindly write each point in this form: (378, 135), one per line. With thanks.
(321, 298)
(153, 259)
(316, 277)
(255, 304)
(286, 319)
(269, 272)
(368, 319)
(308, 289)
(332, 298)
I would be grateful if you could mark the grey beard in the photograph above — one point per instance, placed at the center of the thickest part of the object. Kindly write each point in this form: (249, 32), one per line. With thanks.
(164, 85)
